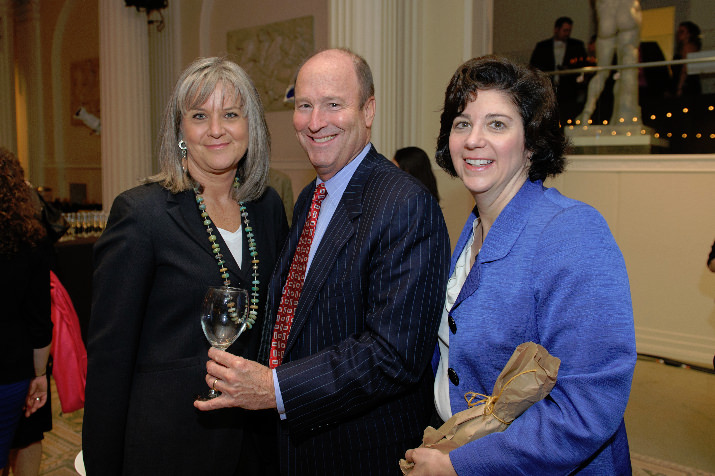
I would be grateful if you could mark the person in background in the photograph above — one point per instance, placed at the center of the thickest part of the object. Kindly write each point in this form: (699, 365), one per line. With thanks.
(280, 181)
(653, 82)
(355, 297)
(154, 262)
(531, 265)
(415, 162)
(558, 53)
(687, 41)
(26, 451)
(25, 455)
(25, 321)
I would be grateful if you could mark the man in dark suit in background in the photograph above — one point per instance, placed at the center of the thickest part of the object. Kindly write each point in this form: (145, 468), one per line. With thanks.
(349, 364)
(563, 52)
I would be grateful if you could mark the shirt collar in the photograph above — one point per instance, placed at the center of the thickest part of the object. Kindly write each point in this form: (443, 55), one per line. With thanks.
(337, 184)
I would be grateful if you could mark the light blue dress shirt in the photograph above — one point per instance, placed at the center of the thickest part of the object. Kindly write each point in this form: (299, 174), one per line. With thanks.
(335, 187)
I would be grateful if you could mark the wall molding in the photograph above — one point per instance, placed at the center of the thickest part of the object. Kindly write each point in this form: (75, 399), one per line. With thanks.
(694, 163)
(63, 167)
(695, 349)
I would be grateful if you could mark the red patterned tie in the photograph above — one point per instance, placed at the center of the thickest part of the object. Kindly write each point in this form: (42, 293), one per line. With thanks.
(294, 282)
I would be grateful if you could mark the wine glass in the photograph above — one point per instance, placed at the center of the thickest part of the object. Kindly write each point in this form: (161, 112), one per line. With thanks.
(223, 318)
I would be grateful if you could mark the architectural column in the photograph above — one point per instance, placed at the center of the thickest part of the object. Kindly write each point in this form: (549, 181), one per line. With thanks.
(56, 68)
(125, 102)
(162, 68)
(8, 132)
(387, 35)
(479, 28)
(30, 91)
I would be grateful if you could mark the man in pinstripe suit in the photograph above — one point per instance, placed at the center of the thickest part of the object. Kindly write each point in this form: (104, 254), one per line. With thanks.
(354, 389)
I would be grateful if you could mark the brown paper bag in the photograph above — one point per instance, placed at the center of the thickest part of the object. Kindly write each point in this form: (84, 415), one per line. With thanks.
(527, 377)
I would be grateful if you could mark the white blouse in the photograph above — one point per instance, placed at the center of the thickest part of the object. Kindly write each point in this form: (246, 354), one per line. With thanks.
(454, 286)
(234, 241)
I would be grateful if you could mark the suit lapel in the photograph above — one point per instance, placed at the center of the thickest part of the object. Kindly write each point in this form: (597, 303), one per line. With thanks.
(337, 235)
(300, 212)
(463, 237)
(501, 238)
(244, 271)
(339, 231)
(182, 209)
(280, 273)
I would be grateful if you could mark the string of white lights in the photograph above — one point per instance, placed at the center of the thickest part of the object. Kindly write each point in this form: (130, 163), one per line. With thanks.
(671, 127)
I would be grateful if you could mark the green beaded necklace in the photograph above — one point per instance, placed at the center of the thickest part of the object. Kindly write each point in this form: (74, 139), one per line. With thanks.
(216, 248)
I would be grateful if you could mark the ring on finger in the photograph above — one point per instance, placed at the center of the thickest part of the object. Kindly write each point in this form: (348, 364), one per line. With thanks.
(214, 384)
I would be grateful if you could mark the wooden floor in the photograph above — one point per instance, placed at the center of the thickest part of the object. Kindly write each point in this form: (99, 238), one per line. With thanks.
(670, 421)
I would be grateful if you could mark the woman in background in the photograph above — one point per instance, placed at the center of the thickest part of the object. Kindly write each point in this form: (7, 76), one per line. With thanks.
(687, 41)
(25, 320)
(415, 162)
(530, 266)
(153, 264)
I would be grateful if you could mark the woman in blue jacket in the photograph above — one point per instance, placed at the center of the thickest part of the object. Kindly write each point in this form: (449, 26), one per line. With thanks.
(530, 265)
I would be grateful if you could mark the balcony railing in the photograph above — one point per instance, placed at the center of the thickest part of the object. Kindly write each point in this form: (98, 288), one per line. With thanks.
(666, 124)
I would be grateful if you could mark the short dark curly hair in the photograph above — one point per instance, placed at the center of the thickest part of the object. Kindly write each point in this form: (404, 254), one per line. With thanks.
(533, 96)
(18, 221)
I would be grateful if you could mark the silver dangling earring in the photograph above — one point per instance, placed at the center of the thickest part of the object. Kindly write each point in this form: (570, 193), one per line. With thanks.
(182, 147)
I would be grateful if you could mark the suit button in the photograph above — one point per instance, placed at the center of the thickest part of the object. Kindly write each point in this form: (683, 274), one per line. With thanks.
(452, 325)
(453, 377)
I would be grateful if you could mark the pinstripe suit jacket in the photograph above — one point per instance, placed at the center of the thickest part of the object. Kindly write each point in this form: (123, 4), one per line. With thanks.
(355, 379)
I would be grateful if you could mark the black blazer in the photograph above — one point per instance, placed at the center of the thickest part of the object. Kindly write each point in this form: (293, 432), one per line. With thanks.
(355, 379)
(570, 94)
(543, 56)
(147, 352)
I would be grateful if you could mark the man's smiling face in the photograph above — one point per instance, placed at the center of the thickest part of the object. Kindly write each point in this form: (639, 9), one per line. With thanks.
(330, 123)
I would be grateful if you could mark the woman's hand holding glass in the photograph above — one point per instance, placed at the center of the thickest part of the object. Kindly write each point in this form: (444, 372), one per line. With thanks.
(223, 319)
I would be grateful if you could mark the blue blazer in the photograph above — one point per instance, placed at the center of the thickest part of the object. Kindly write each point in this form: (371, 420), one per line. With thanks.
(549, 272)
(355, 379)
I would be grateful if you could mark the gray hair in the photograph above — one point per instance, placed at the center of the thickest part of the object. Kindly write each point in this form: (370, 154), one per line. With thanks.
(194, 87)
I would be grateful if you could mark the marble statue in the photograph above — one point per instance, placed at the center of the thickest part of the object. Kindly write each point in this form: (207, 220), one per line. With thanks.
(618, 27)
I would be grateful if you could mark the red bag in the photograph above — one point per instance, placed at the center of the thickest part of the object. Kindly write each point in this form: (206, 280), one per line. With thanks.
(68, 352)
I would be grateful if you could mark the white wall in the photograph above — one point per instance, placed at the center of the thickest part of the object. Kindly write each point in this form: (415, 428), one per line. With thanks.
(661, 210)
